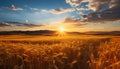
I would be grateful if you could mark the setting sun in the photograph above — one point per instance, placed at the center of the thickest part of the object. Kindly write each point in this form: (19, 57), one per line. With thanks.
(61, 29)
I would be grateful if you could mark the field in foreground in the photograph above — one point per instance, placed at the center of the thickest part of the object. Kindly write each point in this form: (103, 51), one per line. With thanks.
(64, 52)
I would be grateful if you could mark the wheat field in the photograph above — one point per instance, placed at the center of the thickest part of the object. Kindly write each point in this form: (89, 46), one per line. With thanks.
(59, 52)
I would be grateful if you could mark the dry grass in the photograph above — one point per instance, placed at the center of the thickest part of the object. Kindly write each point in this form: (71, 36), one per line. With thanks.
(79, 52)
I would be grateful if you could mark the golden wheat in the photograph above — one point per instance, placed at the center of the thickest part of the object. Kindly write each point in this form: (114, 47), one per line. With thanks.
(60, 53)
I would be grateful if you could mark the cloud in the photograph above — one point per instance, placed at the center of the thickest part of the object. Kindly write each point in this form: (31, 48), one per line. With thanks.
(2, 24)
(114, 3)
(80, 13)
(81, 8)
(95, 5)
(73, 21)
(74, 2)
(0, 9)
(26, 21)
(44, 11)
(61, 10)
(34, 9)
(106, 15)
(13, 7)
(103, 10)
(58, 11)
(17, 24)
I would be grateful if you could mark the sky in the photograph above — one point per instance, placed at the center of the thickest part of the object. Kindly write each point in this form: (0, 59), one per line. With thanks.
(73, 15)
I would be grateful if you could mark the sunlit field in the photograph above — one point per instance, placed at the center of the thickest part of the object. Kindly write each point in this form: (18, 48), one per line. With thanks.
(59, 52)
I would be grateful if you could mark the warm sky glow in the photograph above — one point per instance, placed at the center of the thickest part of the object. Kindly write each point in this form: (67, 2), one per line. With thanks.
(77, 15)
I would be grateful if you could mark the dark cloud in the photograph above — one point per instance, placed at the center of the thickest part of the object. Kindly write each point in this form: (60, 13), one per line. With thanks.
(17, 24)
(13, 7)
(10, 26)
(32, 25)
(106, 15)
(98, 5)
(103, 10)
(2, 24)
(94, 5)
(115, 4)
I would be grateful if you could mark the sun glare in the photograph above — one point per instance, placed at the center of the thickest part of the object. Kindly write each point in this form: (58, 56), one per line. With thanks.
(61, 29)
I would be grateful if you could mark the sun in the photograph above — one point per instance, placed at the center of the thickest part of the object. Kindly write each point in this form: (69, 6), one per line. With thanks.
(62, 29)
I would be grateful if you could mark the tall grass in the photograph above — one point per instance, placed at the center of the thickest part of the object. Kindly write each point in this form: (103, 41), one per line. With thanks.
(94, 53)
